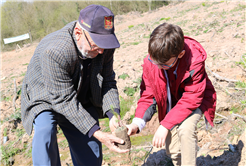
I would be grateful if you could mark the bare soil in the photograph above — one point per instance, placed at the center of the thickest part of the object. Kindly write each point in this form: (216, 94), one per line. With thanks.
(218, 26)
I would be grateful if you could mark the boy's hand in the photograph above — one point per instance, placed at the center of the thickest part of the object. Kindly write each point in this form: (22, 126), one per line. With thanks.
(114, 123)
(160, 137)
(110, 141)
(132, 129)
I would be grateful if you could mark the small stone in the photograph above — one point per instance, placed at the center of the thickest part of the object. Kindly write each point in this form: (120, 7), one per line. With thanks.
(5, 139)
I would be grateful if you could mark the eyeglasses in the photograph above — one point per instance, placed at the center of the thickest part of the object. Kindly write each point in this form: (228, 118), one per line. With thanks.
(163, 65)
(93, 48)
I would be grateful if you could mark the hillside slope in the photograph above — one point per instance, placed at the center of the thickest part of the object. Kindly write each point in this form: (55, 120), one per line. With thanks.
(218, 26)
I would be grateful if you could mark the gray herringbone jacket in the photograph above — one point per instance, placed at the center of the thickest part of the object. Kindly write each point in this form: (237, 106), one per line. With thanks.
(53, 81)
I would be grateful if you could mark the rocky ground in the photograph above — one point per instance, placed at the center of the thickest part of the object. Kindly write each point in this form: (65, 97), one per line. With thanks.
(218, 26)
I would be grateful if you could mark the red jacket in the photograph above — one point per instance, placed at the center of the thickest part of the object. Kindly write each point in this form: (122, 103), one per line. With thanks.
(192, 86)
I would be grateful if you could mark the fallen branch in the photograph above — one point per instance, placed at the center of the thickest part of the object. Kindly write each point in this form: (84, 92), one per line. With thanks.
(223, 88)
(235, 35)
(241, 67)
(227, 54)
(212, 36)
(29, 146)
(140, 147)
(6, 108)
(19, 139)
(221, 115)
(239, 89)
(241, 58)
(244, 119)
(15, 95)
(218, 77)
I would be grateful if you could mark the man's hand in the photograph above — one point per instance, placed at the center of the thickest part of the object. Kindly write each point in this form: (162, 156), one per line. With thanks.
(110, 141)
(114, 123)
(160, 137)
(132, 129)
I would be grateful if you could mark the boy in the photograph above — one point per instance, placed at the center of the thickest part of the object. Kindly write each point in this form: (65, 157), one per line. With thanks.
(175, 79)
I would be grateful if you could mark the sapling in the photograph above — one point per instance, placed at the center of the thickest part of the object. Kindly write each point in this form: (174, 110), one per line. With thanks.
(116, 115)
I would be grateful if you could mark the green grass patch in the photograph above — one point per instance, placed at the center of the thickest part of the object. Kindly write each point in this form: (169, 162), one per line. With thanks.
(16, 115)
(129, 91)
(148, 36)
(238, 8)
(214, 23)
(235, 109)
(240, 84)
(64, 155)
(130, 26)
(186, 33)
(138, 82)
(156, 23)
(6, 98)
(63, 144)
(182, 23)
(125, 105)
(166, 19)
(19, 132)
(243, 60)
(236, 130)
(7, 152)
(28, 153)
(243, 102)
(5, 131)
(23, 74)
(141, 25)
(105, 122)
(124, 76)
(205, 31)
(187, 10)
(135, 43)
(106, 157)
(140, 140)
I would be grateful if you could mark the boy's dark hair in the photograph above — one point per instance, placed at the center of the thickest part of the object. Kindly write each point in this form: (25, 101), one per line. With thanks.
(166, 41)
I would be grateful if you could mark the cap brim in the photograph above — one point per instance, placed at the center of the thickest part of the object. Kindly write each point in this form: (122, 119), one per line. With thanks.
(105, 41)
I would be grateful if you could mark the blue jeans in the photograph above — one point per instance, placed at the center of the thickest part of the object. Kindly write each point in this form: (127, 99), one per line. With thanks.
(84, 151)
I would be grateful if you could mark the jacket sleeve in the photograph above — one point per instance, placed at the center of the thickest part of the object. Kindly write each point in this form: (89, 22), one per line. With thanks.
(146, 104)
(109, 89)
(62, 93)
(192, 96)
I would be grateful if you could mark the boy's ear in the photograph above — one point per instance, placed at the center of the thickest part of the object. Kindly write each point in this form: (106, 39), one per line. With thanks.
(181, 54)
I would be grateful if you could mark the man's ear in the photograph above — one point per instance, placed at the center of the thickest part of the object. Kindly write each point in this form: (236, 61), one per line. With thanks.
(181, 54)
(78, 32)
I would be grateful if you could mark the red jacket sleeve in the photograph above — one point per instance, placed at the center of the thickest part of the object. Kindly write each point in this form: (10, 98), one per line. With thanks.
(146, 104)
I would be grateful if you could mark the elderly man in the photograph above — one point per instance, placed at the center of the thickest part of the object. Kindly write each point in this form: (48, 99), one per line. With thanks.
(70, 82)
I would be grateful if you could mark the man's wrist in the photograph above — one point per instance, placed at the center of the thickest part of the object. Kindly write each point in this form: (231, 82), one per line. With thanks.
(93, 130)
(97, 134)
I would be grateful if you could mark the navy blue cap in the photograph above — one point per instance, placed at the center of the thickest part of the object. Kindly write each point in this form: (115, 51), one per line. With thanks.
(98, 21)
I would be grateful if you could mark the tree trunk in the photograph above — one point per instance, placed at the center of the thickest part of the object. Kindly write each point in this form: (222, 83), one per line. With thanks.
(149, 2)
(111, 5)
